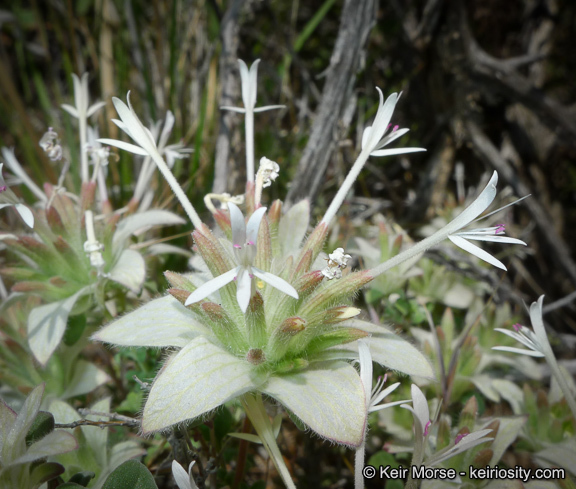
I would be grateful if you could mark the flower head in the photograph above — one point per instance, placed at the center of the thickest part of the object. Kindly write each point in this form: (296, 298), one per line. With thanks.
(337, 261)
(268, 171)
(244, 238)
(51, 145)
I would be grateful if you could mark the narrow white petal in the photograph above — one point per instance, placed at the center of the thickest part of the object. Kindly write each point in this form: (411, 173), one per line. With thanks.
(211, 286)
(125, 146)
(520, 351)
(253, 82)
(538, 323)
(167, 129)
(95, 108)
(382, 118)
(492, 239)
(420, 406)
(244, 288)
(395, 151)
(476, 251)
(365, 359)
(71, 110)
(384, 393)
(276, 282)
(269, 107)
(238, 225)
(390, 137)
(199, 378)
(518, 337)
(180, 476)
(475, 208)
(366, 135)
(378, 407)
(25, 214)
(245, 81)
(233, 109)
(328, 397)
(137, 130)
(254, 225)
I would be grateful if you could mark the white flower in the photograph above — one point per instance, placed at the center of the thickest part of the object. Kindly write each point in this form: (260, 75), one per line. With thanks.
(268, 171)
(377, 394)
(183, 480)
(337, 261)
(244, 239)
(374, 137)
(83, 108)
(51, 146)
(8, 198)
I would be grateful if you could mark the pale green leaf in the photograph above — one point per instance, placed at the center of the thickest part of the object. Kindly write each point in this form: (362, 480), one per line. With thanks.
(144, 220)
(199, 378)
(328, 397)
(508, 431)
(47, 323)
(52, 444)
(160, 322)
(129, 270)
(85, 379)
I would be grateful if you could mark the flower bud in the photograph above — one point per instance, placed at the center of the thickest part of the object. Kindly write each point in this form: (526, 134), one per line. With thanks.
(179, 281)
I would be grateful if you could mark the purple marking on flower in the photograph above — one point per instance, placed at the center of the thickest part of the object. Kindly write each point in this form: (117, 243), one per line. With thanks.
(426, 427)
(517, 327)
(459, 437)
(235, 278)
(500, 228)
(251, 243)
(395, 128)
(251, 275)
(238, 247)
(385, 378)
(3, 188)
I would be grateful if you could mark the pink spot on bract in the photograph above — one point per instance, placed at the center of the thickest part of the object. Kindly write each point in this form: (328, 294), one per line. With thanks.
(459, 437)
(426, 428)
(517, 327)
(237, 246)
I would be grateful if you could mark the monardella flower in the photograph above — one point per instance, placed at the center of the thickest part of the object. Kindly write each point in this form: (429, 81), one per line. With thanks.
(268, 170)
(8, 198)
(51, 145)
(244, 239)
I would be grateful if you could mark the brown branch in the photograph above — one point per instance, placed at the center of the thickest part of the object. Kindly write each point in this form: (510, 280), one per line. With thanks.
(228, 67)
(355, 25)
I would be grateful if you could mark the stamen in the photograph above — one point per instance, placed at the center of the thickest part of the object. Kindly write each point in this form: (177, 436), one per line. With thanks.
(238, 247)
(459, 437)
(395, 128)
(251, 243)
(500, 228)
(3, 188)
(426, 428)
(517, 327)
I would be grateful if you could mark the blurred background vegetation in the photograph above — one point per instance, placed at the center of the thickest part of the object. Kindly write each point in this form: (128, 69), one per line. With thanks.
(488, 84)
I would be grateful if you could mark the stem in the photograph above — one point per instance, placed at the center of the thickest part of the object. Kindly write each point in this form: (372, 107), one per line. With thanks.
(419, 247)
(177, 189)
(82, 123)
(359, 466)
(255, 410)
(551, 359)
(249, 124)
(345, 188)
(143, 178)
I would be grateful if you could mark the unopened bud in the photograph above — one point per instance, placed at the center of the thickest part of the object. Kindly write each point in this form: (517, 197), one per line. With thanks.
(292, 326)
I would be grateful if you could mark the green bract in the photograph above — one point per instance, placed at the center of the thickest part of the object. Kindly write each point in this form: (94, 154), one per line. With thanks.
(290, 349)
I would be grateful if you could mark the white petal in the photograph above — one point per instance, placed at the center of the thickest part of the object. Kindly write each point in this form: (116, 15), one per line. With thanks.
(212, 286)
(268, 107)
(395, 151)
(366, 135)
(71, 110)
(180, 476)
(520, 351)
(518, 337)
(475, 208)
(94, 108)
(476, 251)
(161, 322)
(25, 214)
(328, 397)
(167, 129)
(365, 367)
(253, 82)
(382, 118)
(137, 131)
(378, 407)
(254, 225)
(391, 136)
(492, 239)
(386, 392)
(238, 225)
(245, 82)
(276, 282)
(538, 323)
(125, 146)
(420, 405)
(244, 288)
(233, 109)
(199, 378)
